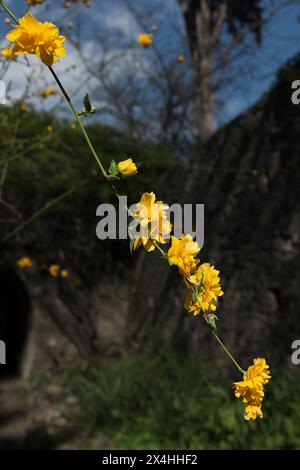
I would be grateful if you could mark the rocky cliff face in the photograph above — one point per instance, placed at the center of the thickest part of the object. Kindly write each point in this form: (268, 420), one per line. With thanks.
(247, 176)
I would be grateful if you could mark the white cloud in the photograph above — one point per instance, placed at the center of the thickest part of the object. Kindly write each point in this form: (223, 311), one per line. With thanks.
(70, 69)
(108, 17)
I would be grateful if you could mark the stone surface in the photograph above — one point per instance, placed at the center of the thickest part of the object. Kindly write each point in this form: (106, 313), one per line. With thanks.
(247, 176)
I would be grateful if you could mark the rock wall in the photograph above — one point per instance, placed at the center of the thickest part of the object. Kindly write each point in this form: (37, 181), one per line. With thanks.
(247, 176)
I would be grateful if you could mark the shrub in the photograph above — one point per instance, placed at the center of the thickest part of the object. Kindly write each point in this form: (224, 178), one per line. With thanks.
(164, 401)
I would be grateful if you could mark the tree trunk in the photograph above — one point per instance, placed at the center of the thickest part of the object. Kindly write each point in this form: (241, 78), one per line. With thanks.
(198, 23)
(205, 99)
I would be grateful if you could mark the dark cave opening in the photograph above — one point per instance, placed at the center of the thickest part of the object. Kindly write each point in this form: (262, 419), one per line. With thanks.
(15, 312)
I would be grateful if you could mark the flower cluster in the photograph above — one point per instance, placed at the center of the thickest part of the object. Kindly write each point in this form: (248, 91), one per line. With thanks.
(46, 92)
(68, 3)
(150, 216)
(183, 254)
(145, 40)
(127, 167)
(7, 52)
(205, 289)
(203, 282)
(150, 222)
(33, 3)
(55, 271)
(31, 36)
(24, 262)
(251, 388)
(23, 107)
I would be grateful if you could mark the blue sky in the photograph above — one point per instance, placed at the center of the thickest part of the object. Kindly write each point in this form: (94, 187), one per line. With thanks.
(281, 40)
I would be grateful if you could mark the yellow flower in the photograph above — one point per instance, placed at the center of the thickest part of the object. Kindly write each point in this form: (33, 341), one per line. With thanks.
(49, 129)
(54, 270)
(145, 40)
(31, 36)
(24, 262)
(251, 388)
(183, 254)
(47, 92)
(151, 217)
(64, 273)
(252, 412)
(73, 126)
(181, 59)
(205, 290)
(34, 2)
(127, 167)
(23, 107)
(7, 52)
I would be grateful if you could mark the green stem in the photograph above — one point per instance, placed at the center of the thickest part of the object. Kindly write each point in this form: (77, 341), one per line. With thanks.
(156, 244)
(217, 337)
(227, 352)
(8, 11)
(79, 121)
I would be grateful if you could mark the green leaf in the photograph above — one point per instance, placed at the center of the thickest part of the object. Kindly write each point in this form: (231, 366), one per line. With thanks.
(87, 107)
(113, 168)
(87, 104)
(211, 320)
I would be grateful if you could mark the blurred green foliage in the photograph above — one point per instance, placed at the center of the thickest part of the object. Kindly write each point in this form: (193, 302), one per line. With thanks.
(167, 401)
(42, 165)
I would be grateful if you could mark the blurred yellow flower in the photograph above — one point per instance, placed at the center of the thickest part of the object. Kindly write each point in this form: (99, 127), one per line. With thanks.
(7, 52)
(127, 167)
(181, 59)
(145, 40)
(251, 388)
(24, 262)
(252, 412)
(34, 2)
(64, 273)
(154, 225)
(73, 126)
(183, 254)
(23, 107)
(49, 129)
(47, 92)
(31, 36)
(54, 270)
(205, 290)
